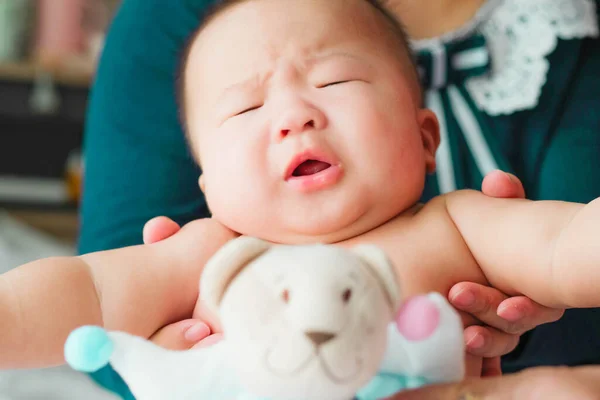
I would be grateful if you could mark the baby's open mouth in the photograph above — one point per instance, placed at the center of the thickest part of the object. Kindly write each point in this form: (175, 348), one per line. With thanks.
(310, 167)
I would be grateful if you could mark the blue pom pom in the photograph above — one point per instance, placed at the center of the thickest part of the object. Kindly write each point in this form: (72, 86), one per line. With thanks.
(88, 349)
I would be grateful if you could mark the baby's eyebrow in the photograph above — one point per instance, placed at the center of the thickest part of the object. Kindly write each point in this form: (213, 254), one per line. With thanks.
(250, 84)
(332, 54)
(256, 81)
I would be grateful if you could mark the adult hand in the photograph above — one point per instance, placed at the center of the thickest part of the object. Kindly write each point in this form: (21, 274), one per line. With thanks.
(547, 383)
(504, 319)
(186, 334)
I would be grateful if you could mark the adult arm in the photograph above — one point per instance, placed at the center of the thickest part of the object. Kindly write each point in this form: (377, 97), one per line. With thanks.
(582, 383)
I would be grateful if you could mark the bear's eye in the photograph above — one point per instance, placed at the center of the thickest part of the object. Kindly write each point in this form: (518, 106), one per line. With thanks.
(285, 296)
(347, 295)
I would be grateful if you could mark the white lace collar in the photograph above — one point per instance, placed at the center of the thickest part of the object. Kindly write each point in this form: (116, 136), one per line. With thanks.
(520, 35)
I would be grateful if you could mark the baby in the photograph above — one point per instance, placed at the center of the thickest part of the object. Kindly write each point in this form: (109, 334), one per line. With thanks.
(306, 117)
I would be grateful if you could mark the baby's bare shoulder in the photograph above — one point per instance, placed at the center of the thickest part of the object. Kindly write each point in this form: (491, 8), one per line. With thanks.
(427, 249)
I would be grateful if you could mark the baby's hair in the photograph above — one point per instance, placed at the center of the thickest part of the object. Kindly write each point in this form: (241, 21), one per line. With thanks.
(218, 6)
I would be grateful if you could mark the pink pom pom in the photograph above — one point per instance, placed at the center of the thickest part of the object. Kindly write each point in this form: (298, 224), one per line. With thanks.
(418, 318)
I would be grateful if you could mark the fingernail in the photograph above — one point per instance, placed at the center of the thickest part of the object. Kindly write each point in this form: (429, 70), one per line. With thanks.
(510, 177)
(476, 342)
(465, 298)
(511, 314)
(196, 332)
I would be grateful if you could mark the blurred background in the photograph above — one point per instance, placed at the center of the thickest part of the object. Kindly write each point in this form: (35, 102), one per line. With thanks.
(48, 55)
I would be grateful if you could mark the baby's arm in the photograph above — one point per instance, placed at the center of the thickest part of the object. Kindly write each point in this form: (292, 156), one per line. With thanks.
(548, 251)
(136, 289)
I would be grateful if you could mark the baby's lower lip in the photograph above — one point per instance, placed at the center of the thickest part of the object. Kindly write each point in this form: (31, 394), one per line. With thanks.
(321, 180)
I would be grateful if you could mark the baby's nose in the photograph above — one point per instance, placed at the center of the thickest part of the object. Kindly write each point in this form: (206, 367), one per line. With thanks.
(319, 338)
(298, 118)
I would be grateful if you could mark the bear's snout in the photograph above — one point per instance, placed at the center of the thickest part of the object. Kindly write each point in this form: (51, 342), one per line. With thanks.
(319, 338)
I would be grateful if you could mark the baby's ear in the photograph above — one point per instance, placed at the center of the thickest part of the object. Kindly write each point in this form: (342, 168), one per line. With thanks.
(430, 135)
(225, 265)
(381, 267)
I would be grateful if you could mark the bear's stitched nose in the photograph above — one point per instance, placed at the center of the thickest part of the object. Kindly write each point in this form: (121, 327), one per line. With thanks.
(319, 338)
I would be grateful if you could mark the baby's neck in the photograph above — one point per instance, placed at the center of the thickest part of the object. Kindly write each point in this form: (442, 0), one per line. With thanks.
(350, 233)
(406, 214)
(431, 18)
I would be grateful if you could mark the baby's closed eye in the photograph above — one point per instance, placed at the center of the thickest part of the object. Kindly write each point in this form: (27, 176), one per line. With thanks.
(324, 85)
(247, 109)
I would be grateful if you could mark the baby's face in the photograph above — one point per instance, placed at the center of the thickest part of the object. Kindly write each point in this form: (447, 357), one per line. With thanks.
(306, 121)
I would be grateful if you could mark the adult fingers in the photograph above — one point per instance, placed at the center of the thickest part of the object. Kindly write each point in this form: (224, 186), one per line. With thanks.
(526, 313)
(481, 302)
(488, 342)
(491, 367)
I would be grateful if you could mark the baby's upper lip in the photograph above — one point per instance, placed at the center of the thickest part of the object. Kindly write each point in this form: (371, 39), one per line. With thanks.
(306, 155)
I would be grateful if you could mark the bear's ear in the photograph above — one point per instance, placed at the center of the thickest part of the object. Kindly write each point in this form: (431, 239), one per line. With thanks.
(381, 267)
(225, 265)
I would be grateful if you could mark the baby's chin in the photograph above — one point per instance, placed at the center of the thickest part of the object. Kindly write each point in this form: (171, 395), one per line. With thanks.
(291, 237)
(317, 231)
(304, 223)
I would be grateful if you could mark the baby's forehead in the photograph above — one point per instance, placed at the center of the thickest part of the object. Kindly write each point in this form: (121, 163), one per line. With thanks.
(239, 43)
(253, 33)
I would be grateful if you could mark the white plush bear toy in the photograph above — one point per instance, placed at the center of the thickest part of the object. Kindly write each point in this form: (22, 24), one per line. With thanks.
(300, 323)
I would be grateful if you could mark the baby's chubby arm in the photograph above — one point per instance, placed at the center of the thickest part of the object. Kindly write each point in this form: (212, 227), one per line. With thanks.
(548, 251)
(136, 289)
